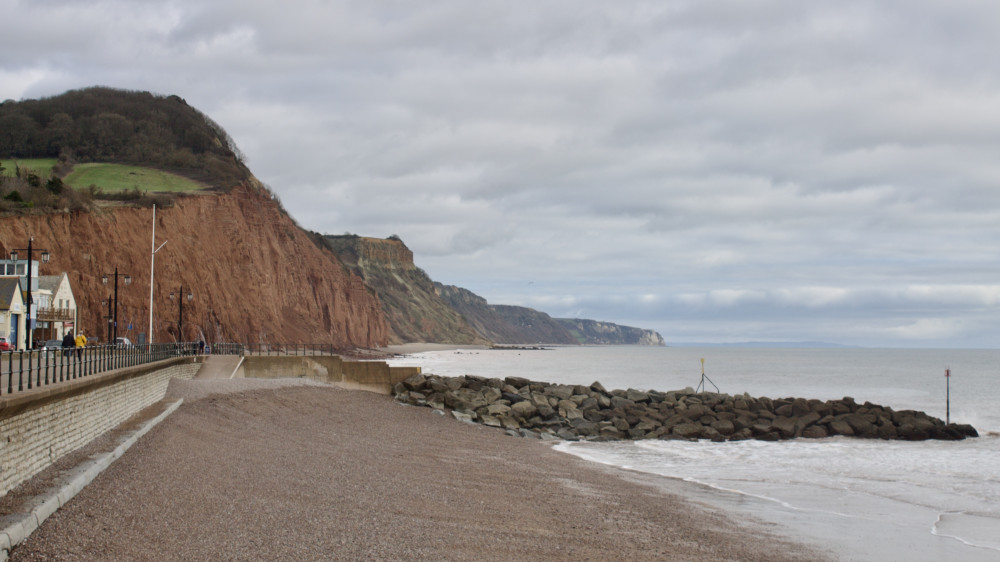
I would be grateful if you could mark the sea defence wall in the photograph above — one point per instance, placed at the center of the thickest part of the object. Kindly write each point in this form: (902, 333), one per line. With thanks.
(38, 427)
(372, 376)
(572, 412)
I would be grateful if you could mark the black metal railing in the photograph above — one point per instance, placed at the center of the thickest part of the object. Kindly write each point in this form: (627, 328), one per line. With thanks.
(289, 349)
(24, 370)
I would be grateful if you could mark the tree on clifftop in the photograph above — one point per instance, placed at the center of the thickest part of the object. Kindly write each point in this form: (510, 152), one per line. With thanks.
(109, 125)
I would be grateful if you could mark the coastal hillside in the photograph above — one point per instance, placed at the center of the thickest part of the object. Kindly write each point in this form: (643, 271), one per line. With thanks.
(506, 324)
(109, 125)
(414, 311)
(80, 174)
(255, 276)
(592, 332)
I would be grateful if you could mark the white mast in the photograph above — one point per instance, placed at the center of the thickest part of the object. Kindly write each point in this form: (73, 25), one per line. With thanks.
(152, 263)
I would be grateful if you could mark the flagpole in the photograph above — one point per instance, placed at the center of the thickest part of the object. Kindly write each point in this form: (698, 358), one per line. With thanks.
(152, 265)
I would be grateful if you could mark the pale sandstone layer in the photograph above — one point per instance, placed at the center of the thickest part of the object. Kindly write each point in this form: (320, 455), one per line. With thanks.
(318, 473)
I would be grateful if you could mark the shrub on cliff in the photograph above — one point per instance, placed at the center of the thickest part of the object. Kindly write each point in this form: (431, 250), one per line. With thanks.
(109, 125)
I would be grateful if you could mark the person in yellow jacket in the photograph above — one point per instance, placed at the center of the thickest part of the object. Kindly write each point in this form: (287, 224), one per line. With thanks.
(81, 342)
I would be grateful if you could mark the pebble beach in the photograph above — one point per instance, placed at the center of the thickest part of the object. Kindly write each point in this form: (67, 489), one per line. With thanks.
(291, 470)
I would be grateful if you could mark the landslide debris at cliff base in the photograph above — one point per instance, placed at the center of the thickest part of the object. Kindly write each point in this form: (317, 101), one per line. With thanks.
(573, 412)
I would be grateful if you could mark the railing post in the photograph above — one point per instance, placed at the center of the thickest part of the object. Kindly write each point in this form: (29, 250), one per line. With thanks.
(20, 371)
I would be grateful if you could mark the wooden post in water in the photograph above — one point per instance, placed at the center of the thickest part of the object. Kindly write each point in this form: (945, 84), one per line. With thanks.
(947, 396)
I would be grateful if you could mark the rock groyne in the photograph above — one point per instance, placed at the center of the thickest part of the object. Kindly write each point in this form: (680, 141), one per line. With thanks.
(574, 412)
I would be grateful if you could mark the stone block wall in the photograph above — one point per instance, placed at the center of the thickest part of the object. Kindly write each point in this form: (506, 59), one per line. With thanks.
(38, 428)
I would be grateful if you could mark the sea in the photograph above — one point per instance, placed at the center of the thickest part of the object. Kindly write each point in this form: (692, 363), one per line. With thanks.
(857, 499)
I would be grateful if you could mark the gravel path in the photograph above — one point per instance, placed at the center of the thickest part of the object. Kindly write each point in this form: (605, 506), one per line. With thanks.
(247, 471)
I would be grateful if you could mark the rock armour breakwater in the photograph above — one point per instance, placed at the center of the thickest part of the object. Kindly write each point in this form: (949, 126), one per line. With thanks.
(573, 412)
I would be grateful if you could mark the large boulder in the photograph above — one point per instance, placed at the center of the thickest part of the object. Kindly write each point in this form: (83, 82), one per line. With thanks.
(688, 430)
(637, 395)
(840, 427)
(523, 410)
(517, 382)
(784, 425)
(415, 382)
(724, 427)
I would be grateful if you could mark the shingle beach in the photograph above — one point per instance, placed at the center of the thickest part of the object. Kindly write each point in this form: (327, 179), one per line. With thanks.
(283, 470)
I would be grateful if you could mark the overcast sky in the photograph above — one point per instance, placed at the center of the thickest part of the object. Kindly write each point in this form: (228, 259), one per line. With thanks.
(718, 171)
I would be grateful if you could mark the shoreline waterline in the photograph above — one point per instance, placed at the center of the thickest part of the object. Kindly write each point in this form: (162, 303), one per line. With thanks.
(860, 491)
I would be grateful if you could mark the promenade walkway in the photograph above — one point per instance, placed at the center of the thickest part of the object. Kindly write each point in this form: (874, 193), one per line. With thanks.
(219, 367)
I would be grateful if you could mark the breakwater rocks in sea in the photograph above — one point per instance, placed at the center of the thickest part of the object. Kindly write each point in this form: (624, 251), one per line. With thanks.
(572, 412)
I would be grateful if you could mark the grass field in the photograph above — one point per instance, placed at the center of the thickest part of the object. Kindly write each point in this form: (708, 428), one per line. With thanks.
(41, 166)
(119, 177)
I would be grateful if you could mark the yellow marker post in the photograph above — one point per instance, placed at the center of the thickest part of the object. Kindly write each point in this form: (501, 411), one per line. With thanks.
(701, 385)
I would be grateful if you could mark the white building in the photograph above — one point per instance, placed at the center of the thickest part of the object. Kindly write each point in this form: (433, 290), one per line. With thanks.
(55, 307)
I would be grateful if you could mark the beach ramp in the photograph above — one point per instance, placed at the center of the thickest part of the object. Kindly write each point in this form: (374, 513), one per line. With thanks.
(219, 367)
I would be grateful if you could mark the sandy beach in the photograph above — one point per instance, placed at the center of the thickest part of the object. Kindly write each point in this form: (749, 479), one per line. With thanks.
(257, 470)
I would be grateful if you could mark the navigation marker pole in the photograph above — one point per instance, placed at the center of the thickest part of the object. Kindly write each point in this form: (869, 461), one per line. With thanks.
(947, 385)
(701, 385)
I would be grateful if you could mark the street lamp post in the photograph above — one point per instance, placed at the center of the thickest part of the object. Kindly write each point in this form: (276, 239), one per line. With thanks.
(13, 258)
(180, 310)
(108, 317)
(128, 281)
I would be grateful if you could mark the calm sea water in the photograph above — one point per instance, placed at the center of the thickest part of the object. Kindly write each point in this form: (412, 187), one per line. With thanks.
(860, 499)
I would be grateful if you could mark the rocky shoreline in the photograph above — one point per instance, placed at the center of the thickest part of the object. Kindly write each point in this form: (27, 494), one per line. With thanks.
(575, 412)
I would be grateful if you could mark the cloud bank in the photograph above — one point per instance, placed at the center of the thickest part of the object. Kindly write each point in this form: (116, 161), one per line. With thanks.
(718, 171)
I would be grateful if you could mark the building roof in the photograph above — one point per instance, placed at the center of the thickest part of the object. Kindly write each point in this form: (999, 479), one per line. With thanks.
(9, 286)
(49, 282)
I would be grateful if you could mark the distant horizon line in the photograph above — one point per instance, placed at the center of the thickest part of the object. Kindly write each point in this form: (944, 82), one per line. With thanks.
(807, 345)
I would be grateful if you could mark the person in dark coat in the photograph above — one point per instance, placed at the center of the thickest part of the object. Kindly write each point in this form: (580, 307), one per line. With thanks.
(68, 343)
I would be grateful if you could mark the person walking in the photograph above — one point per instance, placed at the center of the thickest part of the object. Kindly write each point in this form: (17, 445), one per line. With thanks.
(68, 343)
(81, 342)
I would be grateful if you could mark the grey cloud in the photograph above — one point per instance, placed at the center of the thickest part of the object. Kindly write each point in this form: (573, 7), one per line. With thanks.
(721, 170)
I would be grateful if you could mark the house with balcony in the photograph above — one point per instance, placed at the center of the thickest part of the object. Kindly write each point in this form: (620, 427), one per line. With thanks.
(55, 310)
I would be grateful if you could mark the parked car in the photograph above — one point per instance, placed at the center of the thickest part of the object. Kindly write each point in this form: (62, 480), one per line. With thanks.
(123, 342)
(4, 344)
(49, 345)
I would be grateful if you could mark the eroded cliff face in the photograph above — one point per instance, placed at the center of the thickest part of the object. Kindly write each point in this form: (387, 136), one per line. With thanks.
(414, 311)
(504, 324)
(255, 275)
(593, 332)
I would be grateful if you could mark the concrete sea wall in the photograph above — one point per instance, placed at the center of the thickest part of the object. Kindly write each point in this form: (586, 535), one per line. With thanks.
(39, 427)
(372, 376)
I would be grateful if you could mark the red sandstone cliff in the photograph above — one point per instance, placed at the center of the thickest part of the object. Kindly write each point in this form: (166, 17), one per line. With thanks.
(255, 275)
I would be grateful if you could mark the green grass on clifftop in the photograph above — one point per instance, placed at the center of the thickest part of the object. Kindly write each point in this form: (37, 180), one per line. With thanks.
(119, 177)
(41, 166)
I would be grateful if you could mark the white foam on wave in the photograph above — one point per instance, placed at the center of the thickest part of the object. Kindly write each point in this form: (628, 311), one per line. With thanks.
(857, 487)
(972, 529)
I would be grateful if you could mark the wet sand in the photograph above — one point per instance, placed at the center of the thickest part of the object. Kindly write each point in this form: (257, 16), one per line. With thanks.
(250, 470)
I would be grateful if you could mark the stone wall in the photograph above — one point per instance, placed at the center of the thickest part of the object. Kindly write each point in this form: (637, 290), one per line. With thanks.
(39, 427)
(372, 376)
